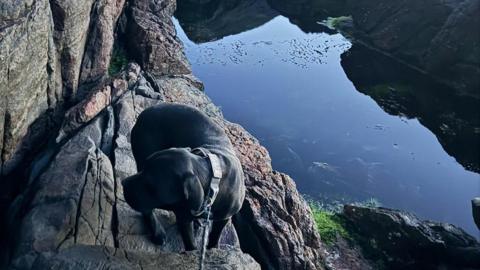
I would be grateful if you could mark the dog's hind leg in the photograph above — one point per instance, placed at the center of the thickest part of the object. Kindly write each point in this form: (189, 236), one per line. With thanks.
(158, 232)
(186, 230)
(217, 229)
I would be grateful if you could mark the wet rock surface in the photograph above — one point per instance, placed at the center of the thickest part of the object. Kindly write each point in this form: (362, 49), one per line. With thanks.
(400, 240)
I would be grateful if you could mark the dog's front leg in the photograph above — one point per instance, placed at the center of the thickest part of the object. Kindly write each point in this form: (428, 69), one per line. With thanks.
(186, 230)
(158, 231)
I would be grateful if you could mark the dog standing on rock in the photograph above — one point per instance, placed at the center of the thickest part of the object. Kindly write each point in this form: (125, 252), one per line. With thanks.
(185, 164)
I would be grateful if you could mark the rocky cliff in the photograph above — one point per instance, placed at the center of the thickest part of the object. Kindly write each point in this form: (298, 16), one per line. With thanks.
(64, 140)
(399, 240)
(65, 145)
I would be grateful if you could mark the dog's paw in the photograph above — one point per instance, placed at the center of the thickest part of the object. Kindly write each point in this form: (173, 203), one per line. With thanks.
(159, 239)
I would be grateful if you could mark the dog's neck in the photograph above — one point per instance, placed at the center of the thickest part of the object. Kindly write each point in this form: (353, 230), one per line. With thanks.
(203, 170)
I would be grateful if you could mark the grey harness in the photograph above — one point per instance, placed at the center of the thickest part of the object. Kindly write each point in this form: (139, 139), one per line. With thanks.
(214, 162)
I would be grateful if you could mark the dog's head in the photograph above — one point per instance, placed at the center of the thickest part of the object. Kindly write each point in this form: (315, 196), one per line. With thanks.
(169, 177)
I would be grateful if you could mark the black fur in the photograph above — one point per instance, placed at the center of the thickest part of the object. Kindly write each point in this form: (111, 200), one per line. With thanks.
(170, 177)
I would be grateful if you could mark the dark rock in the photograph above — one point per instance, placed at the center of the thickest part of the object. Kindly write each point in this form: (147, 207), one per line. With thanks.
(402, 241)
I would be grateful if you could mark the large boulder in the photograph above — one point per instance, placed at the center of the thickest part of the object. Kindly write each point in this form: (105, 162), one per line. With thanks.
(402, 241)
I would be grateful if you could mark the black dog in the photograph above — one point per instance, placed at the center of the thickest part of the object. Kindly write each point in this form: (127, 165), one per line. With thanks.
(173, 177)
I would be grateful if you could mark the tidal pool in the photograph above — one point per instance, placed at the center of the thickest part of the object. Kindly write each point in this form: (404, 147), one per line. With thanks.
(347, 123)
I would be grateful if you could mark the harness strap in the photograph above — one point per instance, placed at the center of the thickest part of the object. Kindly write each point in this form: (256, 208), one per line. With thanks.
(214, 186)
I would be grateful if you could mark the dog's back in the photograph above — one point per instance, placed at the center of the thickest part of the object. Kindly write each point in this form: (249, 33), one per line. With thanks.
(174, 125)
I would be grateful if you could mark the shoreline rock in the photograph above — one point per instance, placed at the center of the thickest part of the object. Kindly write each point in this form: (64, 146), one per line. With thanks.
(399, 240)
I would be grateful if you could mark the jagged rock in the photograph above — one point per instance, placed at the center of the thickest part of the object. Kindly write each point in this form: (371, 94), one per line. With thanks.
(152, 38)
(98, 51)
(71, 202)
(25, 87)
(77, 199)
(42, 46)
(277, 225)
(71, 21)
(96, 257)
(91, 106)
(402, 241)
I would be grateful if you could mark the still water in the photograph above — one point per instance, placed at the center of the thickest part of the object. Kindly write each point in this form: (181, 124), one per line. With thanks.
(348, 124)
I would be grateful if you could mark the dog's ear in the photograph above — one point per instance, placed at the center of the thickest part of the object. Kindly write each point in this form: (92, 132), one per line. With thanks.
(193, 191)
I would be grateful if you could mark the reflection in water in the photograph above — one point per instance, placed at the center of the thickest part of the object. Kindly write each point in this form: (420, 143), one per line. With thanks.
(400, 91)
(293, 90)
(213, 19)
